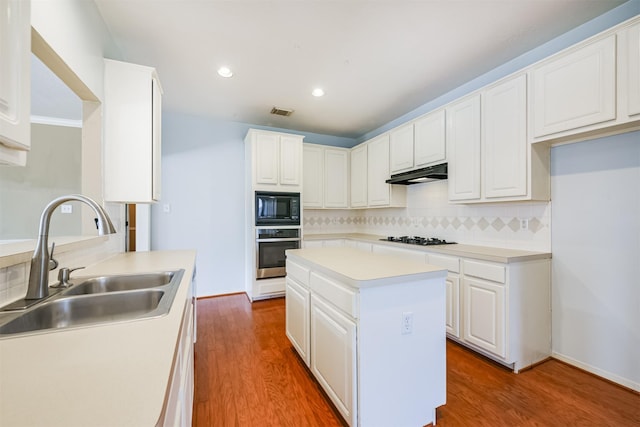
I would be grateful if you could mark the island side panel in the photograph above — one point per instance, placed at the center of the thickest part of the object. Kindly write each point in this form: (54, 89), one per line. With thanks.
(402, 377)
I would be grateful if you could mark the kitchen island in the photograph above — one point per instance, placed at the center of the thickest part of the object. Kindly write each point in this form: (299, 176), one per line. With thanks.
(371, 328)
(133, 373)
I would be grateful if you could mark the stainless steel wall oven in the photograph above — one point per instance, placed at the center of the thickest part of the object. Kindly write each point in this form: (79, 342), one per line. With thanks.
(271, 243)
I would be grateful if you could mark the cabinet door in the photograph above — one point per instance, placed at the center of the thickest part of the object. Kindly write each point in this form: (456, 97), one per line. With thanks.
(378, 193)
(132, 137)
(336, 178)
(576, 89)
(463, 146)
(290, 160)
(629, 60)
(333, 356)
(452, 283)
(359, 176)
(484, 315)
(267, 156)
(15, 80)
(429, 139)
(401, 149)
(504, 139)
(297, 318)
(312, 178)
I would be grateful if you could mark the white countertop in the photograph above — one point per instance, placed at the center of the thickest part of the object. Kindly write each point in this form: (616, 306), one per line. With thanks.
(103, 375)
(359, 269)
(485, 253)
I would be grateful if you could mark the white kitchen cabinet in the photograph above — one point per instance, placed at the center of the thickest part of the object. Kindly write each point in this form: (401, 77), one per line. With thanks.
(333, 356)
(313, 171)
(298, 315)
(452, 282)
(504, 139)
(276, 160)
(429, 139)
(326, 177)
(357, 338)
(629, 72)
(359, 176)
(179, 404)
(574, 89)
(401, 148)
(484, 315)
(463, 148)
(132, 138)
(379, 193)
(15, 81)
(336, 178)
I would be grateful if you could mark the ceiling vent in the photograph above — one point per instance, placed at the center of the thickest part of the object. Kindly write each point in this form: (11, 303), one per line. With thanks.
(281, 112)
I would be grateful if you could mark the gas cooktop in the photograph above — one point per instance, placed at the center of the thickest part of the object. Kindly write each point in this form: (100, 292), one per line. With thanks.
(416, 240)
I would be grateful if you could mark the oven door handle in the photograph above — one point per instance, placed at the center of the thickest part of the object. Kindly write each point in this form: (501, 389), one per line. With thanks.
(297, 239)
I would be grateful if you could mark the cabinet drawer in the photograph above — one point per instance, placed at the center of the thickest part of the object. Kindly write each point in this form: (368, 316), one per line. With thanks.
(341, 297)
(495, 273)
(450, 263)
(298, 272)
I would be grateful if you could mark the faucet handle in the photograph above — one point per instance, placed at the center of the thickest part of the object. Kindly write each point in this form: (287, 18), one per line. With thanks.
(63, 277)
(53, 264)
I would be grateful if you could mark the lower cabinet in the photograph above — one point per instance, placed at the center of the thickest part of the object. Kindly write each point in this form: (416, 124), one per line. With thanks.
(179, 404)
(297, 322)
(453, 304)
(333, 356)
(484, 311)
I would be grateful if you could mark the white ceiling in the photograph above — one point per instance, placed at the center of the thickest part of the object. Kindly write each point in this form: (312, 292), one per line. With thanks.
(376, 60)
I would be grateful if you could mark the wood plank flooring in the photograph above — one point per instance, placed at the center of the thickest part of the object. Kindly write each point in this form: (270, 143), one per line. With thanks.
(247, 374)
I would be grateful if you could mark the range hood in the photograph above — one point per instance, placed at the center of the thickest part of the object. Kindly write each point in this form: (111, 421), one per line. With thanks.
(417, 176)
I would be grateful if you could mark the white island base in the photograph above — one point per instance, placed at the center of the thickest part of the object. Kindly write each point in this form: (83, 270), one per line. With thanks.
(371, 328)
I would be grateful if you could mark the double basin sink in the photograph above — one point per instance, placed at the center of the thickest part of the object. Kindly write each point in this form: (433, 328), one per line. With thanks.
(97, 300)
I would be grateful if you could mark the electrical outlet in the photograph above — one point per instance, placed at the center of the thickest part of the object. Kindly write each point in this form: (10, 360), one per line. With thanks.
(407, 322)
(66, 209)
(524, 224)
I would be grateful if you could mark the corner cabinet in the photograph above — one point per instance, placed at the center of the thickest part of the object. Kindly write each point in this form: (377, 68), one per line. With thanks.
(490, 157)
(326, 177)
(276, 160)
(15, 81)
(132, 133)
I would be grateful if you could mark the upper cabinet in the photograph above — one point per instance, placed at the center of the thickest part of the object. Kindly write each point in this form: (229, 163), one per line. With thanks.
(629, 72)
(589, 90)
(359, 176)
(276, 160)
(429, 139)
(463, 146)
(490, 157)
(132, 138)
(15, 81)
(576, 89)
(379, 193)
(418, 144)
(326, 177)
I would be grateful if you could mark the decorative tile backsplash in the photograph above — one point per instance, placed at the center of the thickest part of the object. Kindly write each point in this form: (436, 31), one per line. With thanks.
(429, 214)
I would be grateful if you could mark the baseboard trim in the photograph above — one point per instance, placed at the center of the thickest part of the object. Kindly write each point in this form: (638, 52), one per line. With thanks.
(616, 379)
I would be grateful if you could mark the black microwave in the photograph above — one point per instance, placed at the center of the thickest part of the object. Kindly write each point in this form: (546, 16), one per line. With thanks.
(277, 208)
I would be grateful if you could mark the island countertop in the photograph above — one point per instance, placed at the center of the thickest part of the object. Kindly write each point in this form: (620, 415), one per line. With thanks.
(358, 268)
(103, 375)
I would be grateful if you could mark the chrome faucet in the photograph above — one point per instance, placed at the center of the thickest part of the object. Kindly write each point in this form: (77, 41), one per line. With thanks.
(40, 266)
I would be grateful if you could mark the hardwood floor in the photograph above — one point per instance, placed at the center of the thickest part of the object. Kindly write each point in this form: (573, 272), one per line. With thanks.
(247, 374)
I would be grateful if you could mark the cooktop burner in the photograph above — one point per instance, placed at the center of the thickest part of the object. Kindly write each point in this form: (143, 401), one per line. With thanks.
(416, 240)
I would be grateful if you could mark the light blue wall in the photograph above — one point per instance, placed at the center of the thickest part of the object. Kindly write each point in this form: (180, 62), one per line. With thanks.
(591, 28)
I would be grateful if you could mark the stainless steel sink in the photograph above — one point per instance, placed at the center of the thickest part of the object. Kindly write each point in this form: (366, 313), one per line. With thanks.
(68, 312)
(125, 282)
(97, 300)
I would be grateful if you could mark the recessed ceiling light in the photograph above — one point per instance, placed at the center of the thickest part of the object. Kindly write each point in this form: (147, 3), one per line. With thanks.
(317, 92)
(225, 72)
